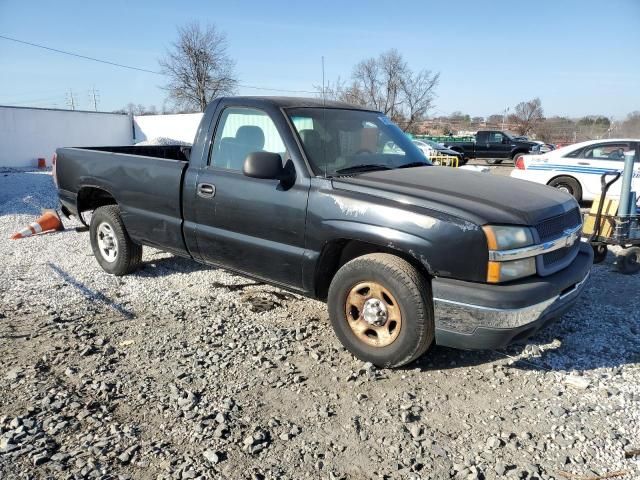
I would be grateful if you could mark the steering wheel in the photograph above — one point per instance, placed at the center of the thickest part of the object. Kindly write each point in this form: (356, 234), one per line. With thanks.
(363, 151)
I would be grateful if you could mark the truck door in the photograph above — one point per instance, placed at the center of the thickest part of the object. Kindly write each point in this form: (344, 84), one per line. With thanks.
(496, 148)
(482, 145)
(246, 224)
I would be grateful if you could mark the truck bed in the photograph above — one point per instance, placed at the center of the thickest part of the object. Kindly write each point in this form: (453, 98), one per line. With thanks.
(146, 180)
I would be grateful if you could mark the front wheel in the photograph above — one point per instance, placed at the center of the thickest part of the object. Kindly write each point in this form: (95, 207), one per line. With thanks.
(112, 247)
(629, 261)
(381, 309)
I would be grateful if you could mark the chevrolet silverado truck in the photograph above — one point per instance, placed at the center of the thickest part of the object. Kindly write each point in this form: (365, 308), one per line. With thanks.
(493, 146)
(304, 195)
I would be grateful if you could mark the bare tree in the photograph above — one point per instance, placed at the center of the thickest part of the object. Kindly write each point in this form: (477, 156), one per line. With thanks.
(630, 127)
(199, 67)
(526, 116)
(418, 92)
(387, 84)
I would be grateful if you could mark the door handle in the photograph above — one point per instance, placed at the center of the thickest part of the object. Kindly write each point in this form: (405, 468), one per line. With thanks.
(206, 190)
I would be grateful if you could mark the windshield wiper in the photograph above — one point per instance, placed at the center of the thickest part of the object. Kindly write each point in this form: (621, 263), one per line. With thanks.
(365, 167)
(414, 164)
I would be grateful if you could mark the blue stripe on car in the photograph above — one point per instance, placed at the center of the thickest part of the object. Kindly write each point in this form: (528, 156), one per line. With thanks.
(573, 169)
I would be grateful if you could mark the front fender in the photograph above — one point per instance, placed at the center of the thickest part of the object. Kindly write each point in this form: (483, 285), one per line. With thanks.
(445, 245)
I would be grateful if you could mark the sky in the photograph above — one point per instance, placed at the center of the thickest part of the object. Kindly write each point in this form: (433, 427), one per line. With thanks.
(581, 57)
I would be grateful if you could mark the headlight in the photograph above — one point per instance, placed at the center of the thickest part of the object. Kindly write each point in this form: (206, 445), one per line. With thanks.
(504, 271)
(509, 238)
(506, 238)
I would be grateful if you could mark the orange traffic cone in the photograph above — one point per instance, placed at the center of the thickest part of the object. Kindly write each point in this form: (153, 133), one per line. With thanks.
(48, 222)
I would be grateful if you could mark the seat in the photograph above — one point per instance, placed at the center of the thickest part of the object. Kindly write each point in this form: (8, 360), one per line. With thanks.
(227, 152)
(249, 138)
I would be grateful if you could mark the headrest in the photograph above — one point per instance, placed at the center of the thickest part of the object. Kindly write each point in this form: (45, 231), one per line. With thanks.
(251, 136)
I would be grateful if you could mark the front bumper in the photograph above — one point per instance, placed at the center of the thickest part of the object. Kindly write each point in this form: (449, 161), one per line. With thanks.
(476, 316)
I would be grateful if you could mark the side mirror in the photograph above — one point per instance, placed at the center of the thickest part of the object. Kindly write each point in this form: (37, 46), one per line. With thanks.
(505, 141)
(265, 165)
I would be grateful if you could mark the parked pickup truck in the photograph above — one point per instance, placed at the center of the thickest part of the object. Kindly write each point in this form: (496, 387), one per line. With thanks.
(305, 196)
(493, 146)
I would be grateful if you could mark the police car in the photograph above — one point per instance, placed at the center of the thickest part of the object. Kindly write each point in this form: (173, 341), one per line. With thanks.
(577, 168)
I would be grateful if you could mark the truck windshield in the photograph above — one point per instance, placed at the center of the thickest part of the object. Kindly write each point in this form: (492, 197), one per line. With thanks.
(341, 142)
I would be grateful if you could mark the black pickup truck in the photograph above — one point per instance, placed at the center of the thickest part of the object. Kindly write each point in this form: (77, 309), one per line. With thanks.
(493, 146)
(305, 196)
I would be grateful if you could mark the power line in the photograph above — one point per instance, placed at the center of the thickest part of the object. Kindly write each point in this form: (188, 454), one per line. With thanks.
(93, 59)
(78, 55)
(39, 100)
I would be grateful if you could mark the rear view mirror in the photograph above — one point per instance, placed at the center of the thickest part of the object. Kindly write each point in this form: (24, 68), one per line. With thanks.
(265, 165)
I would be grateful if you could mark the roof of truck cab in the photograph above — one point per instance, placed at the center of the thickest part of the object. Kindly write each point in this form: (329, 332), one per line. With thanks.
(297, 102)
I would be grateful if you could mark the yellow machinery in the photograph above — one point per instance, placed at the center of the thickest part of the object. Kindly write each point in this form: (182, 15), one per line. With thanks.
(444, 160)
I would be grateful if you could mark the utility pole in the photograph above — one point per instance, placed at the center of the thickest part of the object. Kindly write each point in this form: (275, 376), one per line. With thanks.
(94, 98)
(504, 115)
(71, 101)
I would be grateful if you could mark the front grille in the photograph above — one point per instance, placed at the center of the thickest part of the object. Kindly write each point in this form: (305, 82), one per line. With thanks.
(551, 229)
(552, 258)
(554, 227)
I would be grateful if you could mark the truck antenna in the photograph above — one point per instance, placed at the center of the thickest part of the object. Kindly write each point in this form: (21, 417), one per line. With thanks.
(323, 87)
(324, 121)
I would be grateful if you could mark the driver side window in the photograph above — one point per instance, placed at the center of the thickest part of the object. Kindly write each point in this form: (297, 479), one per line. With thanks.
(496, 137)
(607, 151)
(241, 131)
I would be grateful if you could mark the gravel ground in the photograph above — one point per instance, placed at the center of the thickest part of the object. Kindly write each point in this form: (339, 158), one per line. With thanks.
(184, 371)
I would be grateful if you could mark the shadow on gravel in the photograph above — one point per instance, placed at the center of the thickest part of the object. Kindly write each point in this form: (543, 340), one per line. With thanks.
(580, 348)
(92, 295)
(165, 266)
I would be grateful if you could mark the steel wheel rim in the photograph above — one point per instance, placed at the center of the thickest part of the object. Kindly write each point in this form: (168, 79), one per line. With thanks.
(107, 242)
(362, 306)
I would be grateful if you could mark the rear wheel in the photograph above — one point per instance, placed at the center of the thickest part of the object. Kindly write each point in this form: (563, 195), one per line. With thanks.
(112, 247)
(381, 309)
(569, 185)
(629, 261)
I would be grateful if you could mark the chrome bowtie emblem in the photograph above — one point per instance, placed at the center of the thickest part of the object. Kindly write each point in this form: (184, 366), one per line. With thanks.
(572, 236)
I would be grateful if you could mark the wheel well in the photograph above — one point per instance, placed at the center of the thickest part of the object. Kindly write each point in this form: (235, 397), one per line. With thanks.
(515, 154)
(90, 198)
(338, 252)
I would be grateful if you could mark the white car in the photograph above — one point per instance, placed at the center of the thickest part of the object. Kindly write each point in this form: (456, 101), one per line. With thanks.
(577, 168)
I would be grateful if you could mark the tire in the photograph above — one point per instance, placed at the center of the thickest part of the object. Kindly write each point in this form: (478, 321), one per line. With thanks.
(629, 261)
(569, 185)
(599, 253)
(403, 291)
(515, 157)
(462, 160)
(493, 161)
(106, 231)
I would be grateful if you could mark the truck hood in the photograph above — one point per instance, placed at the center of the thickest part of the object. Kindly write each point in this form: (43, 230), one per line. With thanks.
(477, 197)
